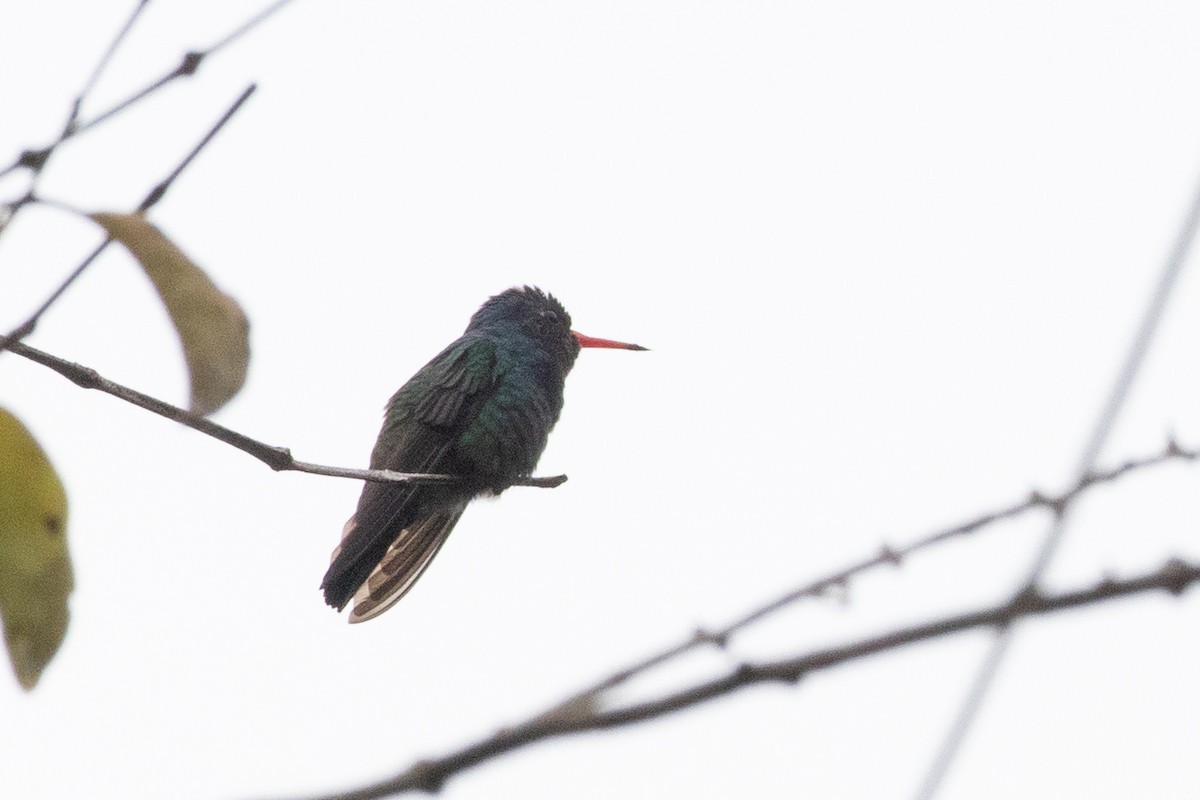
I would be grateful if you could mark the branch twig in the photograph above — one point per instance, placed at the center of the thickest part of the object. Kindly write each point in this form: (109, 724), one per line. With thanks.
(35, 160)
(1139, 348)
(887, 556)
(152, 198)
(277, 458)
(429, 775)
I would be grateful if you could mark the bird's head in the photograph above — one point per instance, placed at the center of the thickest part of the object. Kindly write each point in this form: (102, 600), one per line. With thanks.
(540, 317)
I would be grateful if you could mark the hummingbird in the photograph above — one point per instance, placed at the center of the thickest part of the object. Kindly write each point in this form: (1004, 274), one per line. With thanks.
(481, 411)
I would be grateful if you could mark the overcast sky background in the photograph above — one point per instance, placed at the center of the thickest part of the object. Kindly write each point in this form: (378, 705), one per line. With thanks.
(888, 258)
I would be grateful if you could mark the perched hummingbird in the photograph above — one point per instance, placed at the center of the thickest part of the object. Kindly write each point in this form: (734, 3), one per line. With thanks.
(482, 410)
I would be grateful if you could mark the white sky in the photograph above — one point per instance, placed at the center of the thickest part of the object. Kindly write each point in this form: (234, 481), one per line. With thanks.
(888, 258)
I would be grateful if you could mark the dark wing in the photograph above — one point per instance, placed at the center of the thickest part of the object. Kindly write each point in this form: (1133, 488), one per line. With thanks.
(425, 420)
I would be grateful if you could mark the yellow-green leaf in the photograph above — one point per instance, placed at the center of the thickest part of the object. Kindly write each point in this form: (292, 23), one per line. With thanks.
(211, 325)
(35, 569)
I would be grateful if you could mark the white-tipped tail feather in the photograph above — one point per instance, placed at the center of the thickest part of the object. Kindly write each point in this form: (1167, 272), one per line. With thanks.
(403, 563)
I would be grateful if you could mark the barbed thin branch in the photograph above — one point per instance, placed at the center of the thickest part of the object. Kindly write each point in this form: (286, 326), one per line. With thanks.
(152, 198)
(887, 556)
(36, 160)
(277, 458)
(188, 66)
(247, 26)
(102, 64)
(159, 191)
(1139, 347)
(430, 775)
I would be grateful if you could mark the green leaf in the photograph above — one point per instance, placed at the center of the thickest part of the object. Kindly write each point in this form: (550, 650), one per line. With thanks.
(35, 568)
(211, 325)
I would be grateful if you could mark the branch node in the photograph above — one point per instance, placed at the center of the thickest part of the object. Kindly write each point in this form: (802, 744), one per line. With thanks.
(891, 555)
(838, 588)
(85, 377)
(191, 63)
(719, 639)
(1173, 450)
(17, 334)
(427, 776)
(1058, 505)
(574, 711)
(34, 159)
(1176, 576)
(1027, 600)
(794, 677)
(154, 196)
(280, 458)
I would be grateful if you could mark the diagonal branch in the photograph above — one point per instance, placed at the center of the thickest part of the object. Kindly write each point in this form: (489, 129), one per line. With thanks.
(1175, 577)
(1139, 348)
(277, 458)
(102, 65)
(152, 198)
(35, 160)
(887, 556)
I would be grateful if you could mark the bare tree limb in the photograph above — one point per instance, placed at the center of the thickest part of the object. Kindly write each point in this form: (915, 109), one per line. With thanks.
(1135, 356)
(159, 191)
(35, 160)
(887, 556)
(277, 458)
(1175, 577)
(102, 64)
(247, 26)
(152, 198)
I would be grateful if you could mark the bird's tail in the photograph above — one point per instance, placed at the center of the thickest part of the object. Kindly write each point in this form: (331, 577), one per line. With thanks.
(404, 561)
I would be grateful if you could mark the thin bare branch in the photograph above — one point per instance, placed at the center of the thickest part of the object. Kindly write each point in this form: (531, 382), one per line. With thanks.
(35, 160)
(152, 197)
(101, 65)
(158, 192)
(188, 65)
(1139, 348)
(277, 458)
(886, 557)
(247, 26)
(430, 775)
